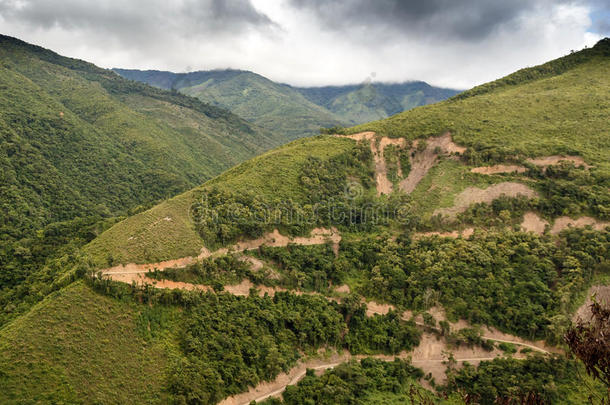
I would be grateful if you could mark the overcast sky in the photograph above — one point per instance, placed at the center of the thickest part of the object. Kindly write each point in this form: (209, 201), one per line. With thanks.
(447, 43)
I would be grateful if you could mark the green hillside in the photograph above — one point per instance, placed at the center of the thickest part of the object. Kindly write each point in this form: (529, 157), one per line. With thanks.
(216, 339)
(273, 106)
(557, 108)
(357, 104)
(80, 144)
(293, 111)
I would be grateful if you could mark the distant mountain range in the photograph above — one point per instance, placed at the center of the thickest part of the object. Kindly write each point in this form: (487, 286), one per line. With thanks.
(293, 111)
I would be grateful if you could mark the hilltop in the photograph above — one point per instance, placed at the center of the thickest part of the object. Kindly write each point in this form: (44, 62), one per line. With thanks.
(443, 228)
(293, 111)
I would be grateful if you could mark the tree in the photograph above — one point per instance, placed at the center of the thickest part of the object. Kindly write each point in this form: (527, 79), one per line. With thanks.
(590, 342)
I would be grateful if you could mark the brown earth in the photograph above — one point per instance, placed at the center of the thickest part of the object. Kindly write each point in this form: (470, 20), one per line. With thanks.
(602, 296)
(318, 236)
(383, 184)
(422, 162)
(466, 233)
(546, 161)
(497, 169)
(343, 289)
(562, 223)
(533, 223)
(430, 356)
(473, 195)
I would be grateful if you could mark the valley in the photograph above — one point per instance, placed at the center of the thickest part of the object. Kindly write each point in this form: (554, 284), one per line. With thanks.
(220, 249)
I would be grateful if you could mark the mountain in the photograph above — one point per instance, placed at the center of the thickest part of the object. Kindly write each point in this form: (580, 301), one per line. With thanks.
(273, 106)
(473, 226)
(357, 104)
(80, 144)
(293, 111)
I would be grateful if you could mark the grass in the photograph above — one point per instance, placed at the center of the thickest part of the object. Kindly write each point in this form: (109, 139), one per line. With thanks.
(77, 141)
(443, 182)
(164, 232)
(275, 174)
(150, 237)
(564, 113)
(293, 112)
(80, 347)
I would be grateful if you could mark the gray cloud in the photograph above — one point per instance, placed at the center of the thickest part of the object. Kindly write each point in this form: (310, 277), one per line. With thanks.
(453, 43)
(133, 20)
(470, 20)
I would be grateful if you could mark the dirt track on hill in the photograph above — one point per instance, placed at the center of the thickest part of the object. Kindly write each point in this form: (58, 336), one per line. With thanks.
(429, 355)
(465, 233)
(431, 360)
(318, 236)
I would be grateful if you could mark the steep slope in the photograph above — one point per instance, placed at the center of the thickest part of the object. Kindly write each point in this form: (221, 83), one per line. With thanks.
(357, 104)
(78, 141)
(296, 111)
(276, 107)
(428, 280)
(559, 108)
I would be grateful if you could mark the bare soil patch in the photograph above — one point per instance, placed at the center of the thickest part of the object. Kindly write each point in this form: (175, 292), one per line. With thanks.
(375, 308)
(383, 184)
(465, 233)
(562, 223)
(497, 169)
(546, 161)
(422, 162)
(533, 223)
(473, 195)
(602, 295)
(343, 289)
(318, 236)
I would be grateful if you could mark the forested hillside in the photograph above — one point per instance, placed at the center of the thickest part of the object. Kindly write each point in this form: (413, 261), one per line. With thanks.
(365, 102)
(80, 144)
(293, 111)
(441, 254)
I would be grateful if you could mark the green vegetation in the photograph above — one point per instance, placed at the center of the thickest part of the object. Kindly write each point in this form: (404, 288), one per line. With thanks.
(364, 382)
(309, 268)
(80, 347)
(163, 232)
(542, 379)
(276, 107)
(80, 145)
(63, 339)
(228, 343)
(563, 111)
(293, 112)
(356, 104)
(520, 283)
